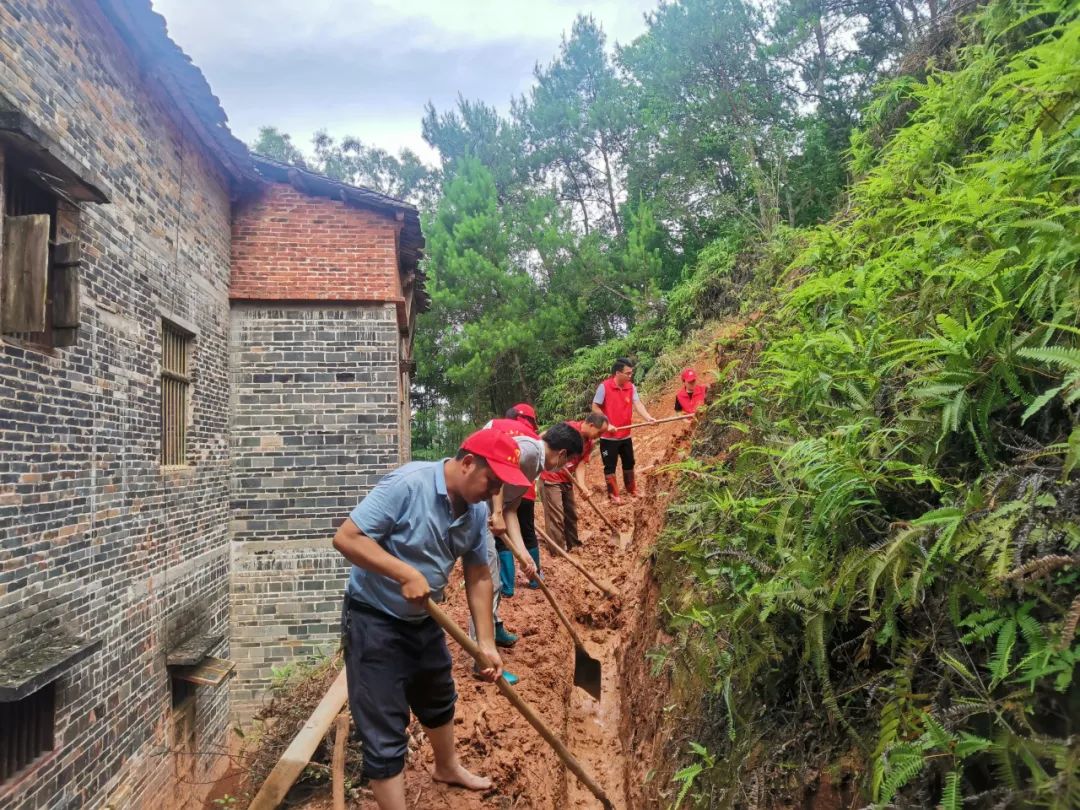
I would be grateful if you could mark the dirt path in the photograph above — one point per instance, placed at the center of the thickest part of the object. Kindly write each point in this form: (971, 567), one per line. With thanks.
(492, 738)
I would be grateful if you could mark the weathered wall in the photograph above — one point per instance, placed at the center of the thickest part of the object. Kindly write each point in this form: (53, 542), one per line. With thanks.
(288, 246)
(315, 424)
(95, 537)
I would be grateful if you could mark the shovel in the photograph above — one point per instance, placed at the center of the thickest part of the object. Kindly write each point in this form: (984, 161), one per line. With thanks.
(623, 538)
(587, 671)
(656, 422)
(473, 649)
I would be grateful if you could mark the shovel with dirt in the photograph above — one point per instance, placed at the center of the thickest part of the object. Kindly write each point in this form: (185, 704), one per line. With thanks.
(587, 672)
(526, 711)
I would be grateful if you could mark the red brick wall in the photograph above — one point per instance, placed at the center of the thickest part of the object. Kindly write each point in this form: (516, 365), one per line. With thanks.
(290, 246)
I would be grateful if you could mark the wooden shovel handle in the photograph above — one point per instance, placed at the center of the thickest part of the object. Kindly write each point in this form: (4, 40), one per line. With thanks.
(592, 503)
(558, 550)
(526, 711)
(613, 428)
(551, 599)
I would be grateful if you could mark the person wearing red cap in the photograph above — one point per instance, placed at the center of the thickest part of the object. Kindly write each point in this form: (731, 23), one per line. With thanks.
(403, 540)
(691, 396)
(557, 447)
(560, 508)
(618, 400)
(525, 416)
(519, 420)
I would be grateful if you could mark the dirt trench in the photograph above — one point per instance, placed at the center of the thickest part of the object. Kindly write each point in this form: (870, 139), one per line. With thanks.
(493, 739)
(624, 740)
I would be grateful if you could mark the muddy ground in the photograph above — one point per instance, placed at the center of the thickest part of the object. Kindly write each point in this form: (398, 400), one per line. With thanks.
(612, 745)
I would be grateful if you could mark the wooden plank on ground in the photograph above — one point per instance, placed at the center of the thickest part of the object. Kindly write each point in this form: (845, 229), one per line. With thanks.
(298, 754)
(337, 769)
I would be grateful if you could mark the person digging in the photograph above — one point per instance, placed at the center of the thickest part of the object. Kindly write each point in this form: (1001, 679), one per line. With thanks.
(560, 508)
(691, 396)
(520, 420)
(403, 540)
(558, 446)
(617, 399)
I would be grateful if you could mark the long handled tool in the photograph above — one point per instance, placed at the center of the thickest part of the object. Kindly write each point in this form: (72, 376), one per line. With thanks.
(558, 550)
(587, 671)
(473, 649)
(615, 533)
(613, 428)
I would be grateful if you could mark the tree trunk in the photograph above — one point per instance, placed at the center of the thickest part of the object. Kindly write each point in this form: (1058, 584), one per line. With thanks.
(580, 196)
(823, 57)
(899, 21)
(610, 185)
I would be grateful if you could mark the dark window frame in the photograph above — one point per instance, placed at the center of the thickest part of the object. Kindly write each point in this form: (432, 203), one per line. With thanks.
(177, 358)
(27, 731)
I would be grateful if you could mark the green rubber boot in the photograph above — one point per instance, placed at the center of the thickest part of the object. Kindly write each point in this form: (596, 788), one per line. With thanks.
(534, 552)
(503, 637)
(506, 573)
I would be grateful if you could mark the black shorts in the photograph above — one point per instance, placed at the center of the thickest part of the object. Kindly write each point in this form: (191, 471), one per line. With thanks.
(393, 666)
(611, 450)
(526, 513)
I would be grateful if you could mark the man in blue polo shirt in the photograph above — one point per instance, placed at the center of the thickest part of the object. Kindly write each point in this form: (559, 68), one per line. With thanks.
(403, 540)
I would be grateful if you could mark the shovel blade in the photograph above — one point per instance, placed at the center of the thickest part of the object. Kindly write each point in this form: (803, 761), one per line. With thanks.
(587, 672)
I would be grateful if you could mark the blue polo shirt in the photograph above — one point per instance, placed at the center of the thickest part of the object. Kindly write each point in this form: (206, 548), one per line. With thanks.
(409, 514)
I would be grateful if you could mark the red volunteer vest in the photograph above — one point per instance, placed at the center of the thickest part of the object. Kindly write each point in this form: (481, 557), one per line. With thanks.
(563, 475)
(691, 402)
(515, 427)
(618, 407)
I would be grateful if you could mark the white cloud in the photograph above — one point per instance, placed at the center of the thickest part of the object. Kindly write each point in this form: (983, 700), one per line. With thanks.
(367, 68)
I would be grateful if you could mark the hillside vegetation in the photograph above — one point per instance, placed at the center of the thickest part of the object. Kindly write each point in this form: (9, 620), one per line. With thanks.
(874, 555)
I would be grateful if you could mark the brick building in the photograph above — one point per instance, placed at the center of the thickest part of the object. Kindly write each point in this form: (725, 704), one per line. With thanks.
(204, 362)
(324, 277)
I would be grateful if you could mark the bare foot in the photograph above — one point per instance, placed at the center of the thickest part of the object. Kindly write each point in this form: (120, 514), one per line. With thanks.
(457, 775)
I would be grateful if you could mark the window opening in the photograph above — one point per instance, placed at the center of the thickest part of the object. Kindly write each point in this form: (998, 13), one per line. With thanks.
(26, 730)
(175, 389)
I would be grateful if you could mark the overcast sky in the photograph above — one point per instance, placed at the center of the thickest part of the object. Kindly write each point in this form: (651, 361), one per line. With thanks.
(367, 67)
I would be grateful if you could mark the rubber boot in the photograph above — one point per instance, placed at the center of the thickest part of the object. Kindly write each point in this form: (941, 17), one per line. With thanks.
(630, 483)
(534, 552)
(503, 637)
(506, 572)
(612, 489)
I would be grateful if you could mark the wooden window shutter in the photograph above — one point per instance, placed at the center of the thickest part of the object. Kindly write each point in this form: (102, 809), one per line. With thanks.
(25, 273)
(64, 292)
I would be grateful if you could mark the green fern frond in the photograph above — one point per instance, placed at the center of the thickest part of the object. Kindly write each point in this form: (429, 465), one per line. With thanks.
(1065, 356)
(951, 798)
(905, 761)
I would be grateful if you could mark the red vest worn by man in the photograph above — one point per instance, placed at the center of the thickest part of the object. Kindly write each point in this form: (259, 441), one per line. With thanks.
(518, 427)
(563, 475)
(690, 402)
(618, 406)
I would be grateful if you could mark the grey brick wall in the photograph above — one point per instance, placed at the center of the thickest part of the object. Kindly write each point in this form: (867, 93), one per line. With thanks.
(95, 537)
(315, 423)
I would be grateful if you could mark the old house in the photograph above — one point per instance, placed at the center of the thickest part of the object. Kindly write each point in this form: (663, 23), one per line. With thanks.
(204, 362)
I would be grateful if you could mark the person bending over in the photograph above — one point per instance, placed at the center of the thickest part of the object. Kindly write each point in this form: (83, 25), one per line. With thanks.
(403, 540)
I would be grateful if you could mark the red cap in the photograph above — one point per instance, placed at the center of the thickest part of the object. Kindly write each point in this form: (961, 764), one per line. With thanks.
(689, 375)
(525, 409)
(501, 453)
